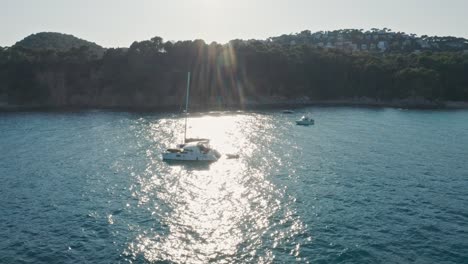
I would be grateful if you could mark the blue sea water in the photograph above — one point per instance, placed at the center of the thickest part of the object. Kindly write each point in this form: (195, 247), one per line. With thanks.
(360, 186)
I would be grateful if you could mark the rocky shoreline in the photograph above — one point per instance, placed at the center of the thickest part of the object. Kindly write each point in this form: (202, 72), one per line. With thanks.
(262, 103)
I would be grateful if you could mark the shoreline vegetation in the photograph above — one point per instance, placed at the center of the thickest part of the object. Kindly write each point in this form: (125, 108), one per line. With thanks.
(377, 68)
(265, 103)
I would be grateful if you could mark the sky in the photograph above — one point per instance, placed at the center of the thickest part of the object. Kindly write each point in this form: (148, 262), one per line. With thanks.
(117, 23)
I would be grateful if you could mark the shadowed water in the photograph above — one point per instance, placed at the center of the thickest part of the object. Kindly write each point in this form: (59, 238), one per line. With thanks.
(361, 186)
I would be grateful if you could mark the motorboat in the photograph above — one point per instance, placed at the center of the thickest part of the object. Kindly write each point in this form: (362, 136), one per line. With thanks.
(305, 121)
(288, 112)
(192, 151)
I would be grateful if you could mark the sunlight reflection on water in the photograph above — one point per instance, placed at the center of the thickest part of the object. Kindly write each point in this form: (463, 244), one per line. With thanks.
(223, 212)
(363, 185)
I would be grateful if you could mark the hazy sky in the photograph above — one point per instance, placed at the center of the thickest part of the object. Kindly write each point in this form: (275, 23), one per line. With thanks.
(117, 23)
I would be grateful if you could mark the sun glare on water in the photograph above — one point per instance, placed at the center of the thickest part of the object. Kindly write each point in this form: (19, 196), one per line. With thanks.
(222, 212)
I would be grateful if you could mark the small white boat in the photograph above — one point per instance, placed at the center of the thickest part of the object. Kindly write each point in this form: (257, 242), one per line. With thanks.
(305, 121)
(192, 151)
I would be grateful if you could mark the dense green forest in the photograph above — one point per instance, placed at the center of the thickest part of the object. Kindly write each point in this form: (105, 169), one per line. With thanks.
(58, 42)
(152, 73)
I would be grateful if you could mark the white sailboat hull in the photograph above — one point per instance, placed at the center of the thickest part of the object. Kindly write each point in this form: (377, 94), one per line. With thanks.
(210, 156)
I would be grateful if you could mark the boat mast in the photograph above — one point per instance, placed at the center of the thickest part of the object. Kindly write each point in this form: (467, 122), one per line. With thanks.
(186, 106)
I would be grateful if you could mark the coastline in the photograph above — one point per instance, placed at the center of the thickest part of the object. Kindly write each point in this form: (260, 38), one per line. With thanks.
(265, 103)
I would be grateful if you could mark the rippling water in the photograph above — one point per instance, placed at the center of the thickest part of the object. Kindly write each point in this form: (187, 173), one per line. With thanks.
(361, 186)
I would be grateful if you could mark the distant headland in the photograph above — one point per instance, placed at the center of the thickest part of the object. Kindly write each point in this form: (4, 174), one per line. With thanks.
(376, 67)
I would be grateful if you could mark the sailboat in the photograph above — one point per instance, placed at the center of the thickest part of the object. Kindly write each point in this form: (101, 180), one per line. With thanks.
(193, 149)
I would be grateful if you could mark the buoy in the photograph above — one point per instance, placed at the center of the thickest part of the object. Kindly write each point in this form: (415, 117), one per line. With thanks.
(232, 156)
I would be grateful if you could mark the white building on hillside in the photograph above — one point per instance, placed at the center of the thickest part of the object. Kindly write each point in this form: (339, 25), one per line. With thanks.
(382, 46)
(423, 44)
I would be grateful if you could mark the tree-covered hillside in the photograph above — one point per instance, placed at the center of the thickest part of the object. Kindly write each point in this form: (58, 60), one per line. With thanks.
(152, 73)
(374, 40)
(57, 42)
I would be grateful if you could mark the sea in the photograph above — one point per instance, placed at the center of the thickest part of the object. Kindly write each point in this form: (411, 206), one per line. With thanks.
(361, 185)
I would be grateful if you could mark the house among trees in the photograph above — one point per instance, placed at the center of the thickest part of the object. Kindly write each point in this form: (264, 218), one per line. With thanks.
(382, 46)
